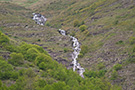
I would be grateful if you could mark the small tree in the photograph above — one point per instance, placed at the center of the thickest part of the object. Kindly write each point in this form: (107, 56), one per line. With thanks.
(31, 54)
(42, 65)
(83, 28)
(117, 67)
(16, 59)
(3, 38)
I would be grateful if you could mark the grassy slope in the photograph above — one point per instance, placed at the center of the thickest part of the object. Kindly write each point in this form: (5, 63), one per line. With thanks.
(108, 21)
(110, 25)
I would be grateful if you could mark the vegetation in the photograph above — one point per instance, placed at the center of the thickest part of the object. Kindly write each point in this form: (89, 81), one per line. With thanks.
(109, 37)
(51, 74)
(83, 28)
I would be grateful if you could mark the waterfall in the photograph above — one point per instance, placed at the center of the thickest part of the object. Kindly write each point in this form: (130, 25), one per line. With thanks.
(39, 19)
(76, 52)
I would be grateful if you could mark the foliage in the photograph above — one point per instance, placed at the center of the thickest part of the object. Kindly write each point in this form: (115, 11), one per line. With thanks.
(116, 22)
(76, 23)
(30, 73)
(114, 75)
(50, 75)
(3, 39)
(132, 40)
(65, 50)
(6, 71)
(47, 23)
(16, 59)
(120, 42)
(95, 74)
(84, 50)
(131, 60)
(83, 28)
(31, 54)
(117, 67)
(101, 66)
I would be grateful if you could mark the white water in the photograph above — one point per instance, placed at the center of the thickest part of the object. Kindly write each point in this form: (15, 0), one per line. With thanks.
(39, 19)
(76, 52)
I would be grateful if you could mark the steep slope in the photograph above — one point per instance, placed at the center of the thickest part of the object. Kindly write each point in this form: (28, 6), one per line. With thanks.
(107, 40)
(25, 66)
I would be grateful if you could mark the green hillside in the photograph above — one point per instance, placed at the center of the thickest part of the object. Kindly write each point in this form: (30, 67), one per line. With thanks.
(105, 29)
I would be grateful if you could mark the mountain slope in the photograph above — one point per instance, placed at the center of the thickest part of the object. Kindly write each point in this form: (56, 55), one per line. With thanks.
(107, 42)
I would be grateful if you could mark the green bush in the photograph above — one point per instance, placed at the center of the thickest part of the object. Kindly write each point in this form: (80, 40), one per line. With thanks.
(120, 42)
(117, 67)
(42, 65)
(31, 54)
(7, 72)
(65, 50)
(47, 24)
(16, 59)
(101, 66)
(95, 74)
(30, 73)
(42, 58)
(83, 28)
(114, 75)
(3, 38)
(76, 23)
(41, 83)
(131, 60)
(132, 40)
(84, 50)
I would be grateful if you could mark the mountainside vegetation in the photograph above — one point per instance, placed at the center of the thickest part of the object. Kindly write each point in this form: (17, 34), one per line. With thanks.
(35, 57)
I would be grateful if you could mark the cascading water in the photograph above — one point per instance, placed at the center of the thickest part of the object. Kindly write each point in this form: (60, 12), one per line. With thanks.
(76, 52)
(40, 19)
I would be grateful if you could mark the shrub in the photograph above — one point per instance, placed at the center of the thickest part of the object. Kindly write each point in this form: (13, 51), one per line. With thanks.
(31, 54)
(72, 33)
(116, 22)
(76, 23)
(114, 75)
(83, 28)
(3, 38)
(47, 24)
(132, 40)
(42, 65)
(120, 42)
(30, 73)
(24, 47)
(84, 50)
(38, 40)
(117, 67)
(40, 49)
(41, 83)
(42, 58)
(131, 60)
(101, 66)
(95, 74)
(5, 70)
(65, 50)
(16, 59)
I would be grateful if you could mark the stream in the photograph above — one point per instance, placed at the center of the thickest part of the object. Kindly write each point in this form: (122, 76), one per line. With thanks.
(76, 52)
(40, 19)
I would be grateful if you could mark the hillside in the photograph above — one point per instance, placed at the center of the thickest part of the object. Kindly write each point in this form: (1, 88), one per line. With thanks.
(105, 29)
